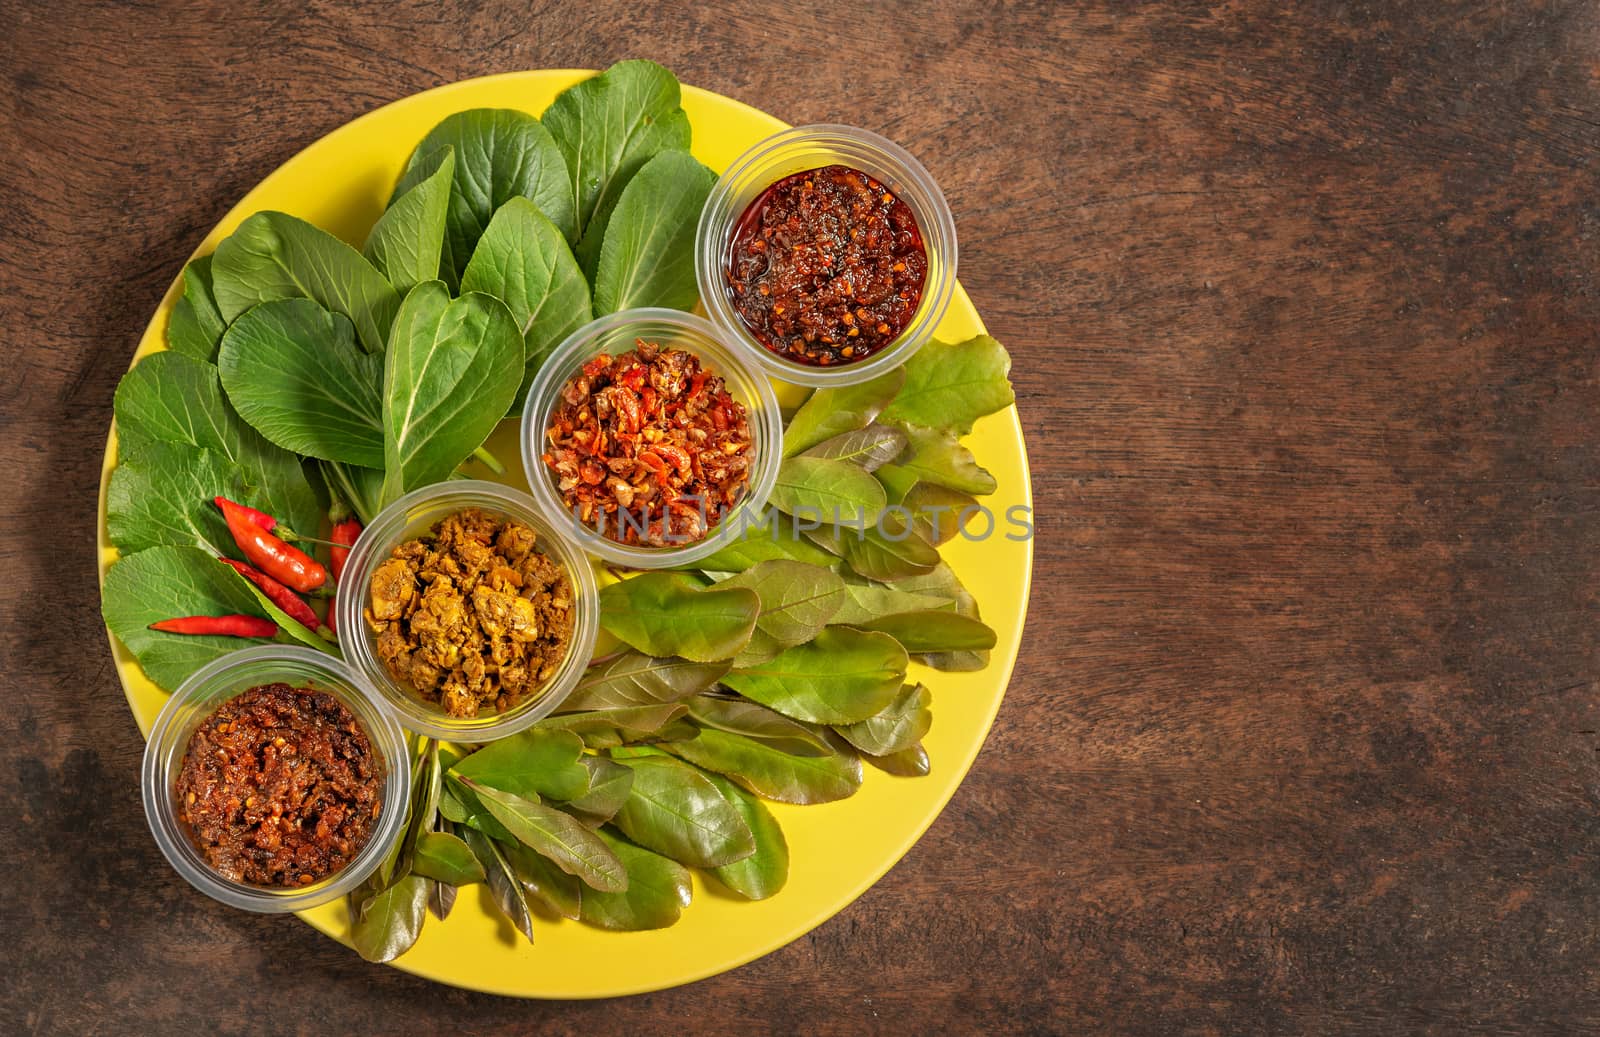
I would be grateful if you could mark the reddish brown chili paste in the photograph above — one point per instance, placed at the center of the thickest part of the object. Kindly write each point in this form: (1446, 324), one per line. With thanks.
(827, 266)
(280, 786)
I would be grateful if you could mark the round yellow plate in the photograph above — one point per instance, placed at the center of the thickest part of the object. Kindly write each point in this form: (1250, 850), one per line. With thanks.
(340, 183)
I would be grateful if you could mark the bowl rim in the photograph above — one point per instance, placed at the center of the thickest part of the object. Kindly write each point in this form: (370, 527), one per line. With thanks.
(222, 680)
(743, 378)
(774, 157)
(387, 529)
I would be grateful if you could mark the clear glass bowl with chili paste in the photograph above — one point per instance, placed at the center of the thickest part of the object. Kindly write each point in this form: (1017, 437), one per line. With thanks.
(275, 826)
(828, 253)
(417, 516)
(650, 439)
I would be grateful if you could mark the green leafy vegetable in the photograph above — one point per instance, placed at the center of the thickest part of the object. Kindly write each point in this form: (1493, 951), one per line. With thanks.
(658, 891)
(532, 763)
(842, 676)
(647, 258)
(950, 385)
(446, 858)
(935, 631)
(523, 261)
(902, 724)
(797, 600)
(502, 880)
(938, 513)
(636, 679)
(276, 256)
(833, 412)
(500, 154)
(907, 763)
(661, 613)
(388, 924)
(890, 551)
(771, 772)
(675, 810)
(163, 498)
(753, 720)
(452, 371)
(763, 873)
(777, 538)
(868, 601)
(555, 834)
(196, 325)
(869, 447)
(560, 892)
(939, 458)
(406, 243)
(609, 784)
(829, 490)
(295, 373)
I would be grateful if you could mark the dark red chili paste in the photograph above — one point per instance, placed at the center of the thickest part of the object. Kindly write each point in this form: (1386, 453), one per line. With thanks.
(280, 786)
(827, 266)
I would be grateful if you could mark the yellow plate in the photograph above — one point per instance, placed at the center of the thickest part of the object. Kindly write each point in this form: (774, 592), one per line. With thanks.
(340, 183)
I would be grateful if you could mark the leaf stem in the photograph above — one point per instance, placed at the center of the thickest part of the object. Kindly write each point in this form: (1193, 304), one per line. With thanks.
(489, 461)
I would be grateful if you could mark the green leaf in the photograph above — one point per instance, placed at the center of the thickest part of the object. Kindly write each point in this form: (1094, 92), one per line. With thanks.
(907, 763)
(295, 373)
(901, 724)
(753, 720)
(661, 613)
(797, 599)
(613, 725)
(636, 679)
(555, 834)
(408, 238)
(607, 128)
(287, 624)
(675, 810)
(763, 873)
(560, 892)
(168, 398)
(196, 325)
(500, 154)
(163, 498)
(939, 458)
(890, 551)
(445, 858)
(942, 581)
(935, 631)
(388, 924)
(523, 261)
(502, 880)
(658, 891)
(770, 772)
(833, 412)
(276, 256)
(452, 371)
(843, 676)
(441, 899)
(937, 511)
(869, 448)
(776, 538)
(531, 763)
(866, 602)
(647, 258)
(818, 488)
(951, 385)
(609, 784)
(164, 583)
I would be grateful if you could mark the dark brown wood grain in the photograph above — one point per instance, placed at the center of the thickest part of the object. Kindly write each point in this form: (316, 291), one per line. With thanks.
(1305, 314)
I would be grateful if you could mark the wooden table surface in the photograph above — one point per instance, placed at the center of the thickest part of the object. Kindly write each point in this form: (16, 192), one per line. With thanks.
(1304, 309)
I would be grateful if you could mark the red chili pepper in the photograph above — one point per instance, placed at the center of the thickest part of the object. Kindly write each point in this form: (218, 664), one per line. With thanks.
(232, 626)
(280, 595)
(260, 518)
(287, 565)
(344, 537)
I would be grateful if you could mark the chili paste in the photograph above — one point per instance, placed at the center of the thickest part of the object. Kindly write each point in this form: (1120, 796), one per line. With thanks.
(827, 266)
(280, 786)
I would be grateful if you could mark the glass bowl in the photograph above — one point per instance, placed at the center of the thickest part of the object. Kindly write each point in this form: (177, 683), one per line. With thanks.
(413, 515)
(214, 684)
(810, 147)
(614, 334)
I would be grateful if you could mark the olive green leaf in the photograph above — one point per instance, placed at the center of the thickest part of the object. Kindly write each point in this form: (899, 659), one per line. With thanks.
(196, 325)
(819, 488)
(673, 809)
(609, 784)
(907, 763)
(295, 373)
(531, 763)
(500, 154)
(949, 385)
(842, 676)
(636, 679)
(942, 581)
(647, 258)
(445, 858)
(164, 583)
(502, 881)
(937, 512)
(388, 924)
(763, 873)
(755, 721)
(797, 600)
(890, 551)
(613, 725)
(658, 891)
(935, 630)
(833, 412)
(523, 260)
(902, 724)
(277, 256)
(452, 371)
(662, 613)
(560, 892)
(867, 601)
(555, 834)
(776, 537)
(408, 238)
(870, 447)
(771, 772)
(441, 899)
(607, 127)
(939, 458)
